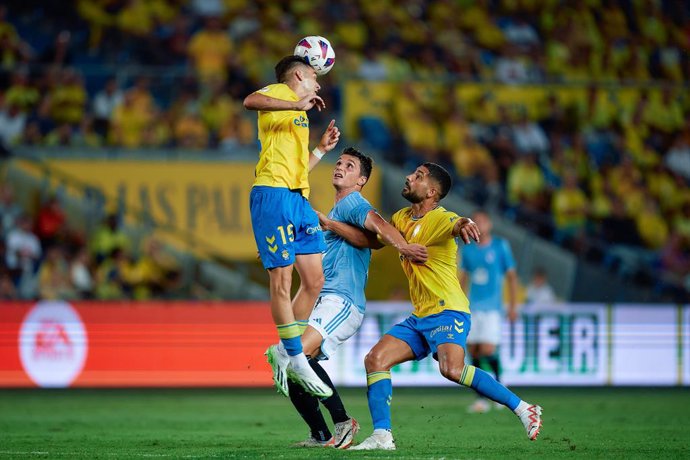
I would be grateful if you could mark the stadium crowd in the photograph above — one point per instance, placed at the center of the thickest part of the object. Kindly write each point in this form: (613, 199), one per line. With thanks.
(608, 180)
(43, 257)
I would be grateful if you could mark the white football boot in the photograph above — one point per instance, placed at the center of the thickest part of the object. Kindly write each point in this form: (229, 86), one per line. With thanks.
(311, 442)
(379, 440)
(345, 433)
(307, 379)
(531, 420)
(279, 363)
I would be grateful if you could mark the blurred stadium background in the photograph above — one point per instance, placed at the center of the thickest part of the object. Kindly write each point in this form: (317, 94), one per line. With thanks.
(126, 253)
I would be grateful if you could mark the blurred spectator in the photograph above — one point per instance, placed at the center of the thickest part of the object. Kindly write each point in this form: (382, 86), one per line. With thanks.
(110, 276)
(677, 159)
(529, 137)
(372, 67)
(13, 50)
(210, 50)
(32, 135)
(675, 263)
(477, 171)
(61, 136)
(521, 34)
(207, 8)
(176, 42)
(570, 208)
(190, 132)
(510, 68)
(50, 223)
(539, 291)
(54, 277)
(141, 95)
(81, 274)
(22, 93)
(7, 289)
(68, 98)
(651, 225)
(217, 109)
(104, 104)
(156, 272)
(85, 136)
(59, 53)
(10, 211)
(526, 185)
(107, 238)
(12, 123)
(23, 255)
(129, 123)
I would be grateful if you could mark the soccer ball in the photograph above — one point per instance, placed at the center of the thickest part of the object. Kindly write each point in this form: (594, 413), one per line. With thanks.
(317, 52)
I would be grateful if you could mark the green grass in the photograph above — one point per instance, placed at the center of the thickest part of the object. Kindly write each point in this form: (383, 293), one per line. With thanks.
(258, 423)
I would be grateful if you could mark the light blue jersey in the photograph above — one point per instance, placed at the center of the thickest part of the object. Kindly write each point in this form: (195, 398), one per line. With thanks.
(486, 266)
(346, 267)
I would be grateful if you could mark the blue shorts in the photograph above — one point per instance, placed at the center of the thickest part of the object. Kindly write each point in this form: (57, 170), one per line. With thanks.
(424, 335)
(284, 224)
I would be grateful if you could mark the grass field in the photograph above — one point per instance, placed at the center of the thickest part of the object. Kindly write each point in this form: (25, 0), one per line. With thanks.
(258, 423)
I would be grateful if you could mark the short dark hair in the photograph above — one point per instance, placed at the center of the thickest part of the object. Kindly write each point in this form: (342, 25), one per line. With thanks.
(285, 65)
(365, 162)
(440, 175)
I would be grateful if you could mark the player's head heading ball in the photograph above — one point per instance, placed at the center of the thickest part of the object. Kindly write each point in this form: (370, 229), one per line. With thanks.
(439, 174)
(286, 65)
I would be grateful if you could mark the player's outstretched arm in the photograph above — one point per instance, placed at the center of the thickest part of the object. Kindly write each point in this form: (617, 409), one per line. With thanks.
(356, 236)
(466, 229)
(390, 235)
(328, 141)
(258, 101)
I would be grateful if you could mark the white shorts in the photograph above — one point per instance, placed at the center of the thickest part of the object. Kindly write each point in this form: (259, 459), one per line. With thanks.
(336, 320)
(486, 328)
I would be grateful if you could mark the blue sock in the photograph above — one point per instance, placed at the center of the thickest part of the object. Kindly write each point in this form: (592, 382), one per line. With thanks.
(487, 386)
(379, 395)
(290, 336)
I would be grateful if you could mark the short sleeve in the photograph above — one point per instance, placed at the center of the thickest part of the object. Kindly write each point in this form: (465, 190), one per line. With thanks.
(356, 210)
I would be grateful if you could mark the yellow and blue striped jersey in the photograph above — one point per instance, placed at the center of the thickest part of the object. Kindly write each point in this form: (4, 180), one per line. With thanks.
(434, 286)
(284, 137)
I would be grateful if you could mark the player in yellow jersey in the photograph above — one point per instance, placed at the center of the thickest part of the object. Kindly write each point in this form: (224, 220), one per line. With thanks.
(441, 318)
(286, 228)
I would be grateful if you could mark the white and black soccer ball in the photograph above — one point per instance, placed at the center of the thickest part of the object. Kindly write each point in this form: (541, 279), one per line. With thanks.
(317, 52)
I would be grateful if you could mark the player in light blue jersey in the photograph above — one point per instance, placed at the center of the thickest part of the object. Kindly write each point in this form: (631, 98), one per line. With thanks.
(483, 269)
(339, 309)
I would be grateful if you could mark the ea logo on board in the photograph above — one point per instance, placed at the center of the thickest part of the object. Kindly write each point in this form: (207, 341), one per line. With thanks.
(52, 344)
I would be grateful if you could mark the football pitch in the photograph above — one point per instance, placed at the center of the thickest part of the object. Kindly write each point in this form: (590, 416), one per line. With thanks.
(258, 423)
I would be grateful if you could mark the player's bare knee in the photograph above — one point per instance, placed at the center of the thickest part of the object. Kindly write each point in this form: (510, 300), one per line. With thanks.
(314, 284)
(373, 361)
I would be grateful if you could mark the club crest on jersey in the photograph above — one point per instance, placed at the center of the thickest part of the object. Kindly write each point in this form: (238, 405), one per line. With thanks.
(301, 121)
(285, 254)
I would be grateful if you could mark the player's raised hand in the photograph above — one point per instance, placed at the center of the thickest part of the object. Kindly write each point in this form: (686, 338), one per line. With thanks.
(415, 253)
(467, 230)
(330, 137)
(310, 101)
